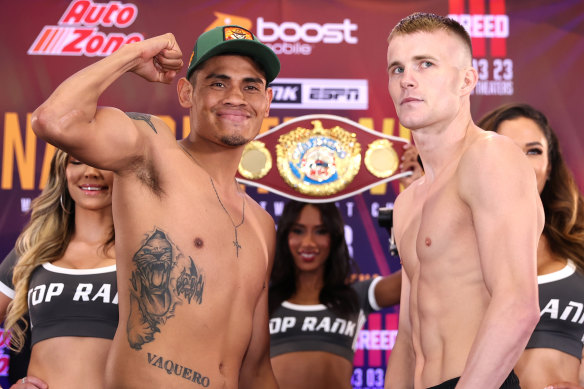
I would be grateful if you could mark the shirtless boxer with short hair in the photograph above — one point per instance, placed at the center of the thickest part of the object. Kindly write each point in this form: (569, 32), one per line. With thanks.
(467, 231)
(194, 251)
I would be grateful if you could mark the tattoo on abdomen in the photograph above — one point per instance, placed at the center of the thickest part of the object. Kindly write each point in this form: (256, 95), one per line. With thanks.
(173, 368)
(163, 278)
(142, 116)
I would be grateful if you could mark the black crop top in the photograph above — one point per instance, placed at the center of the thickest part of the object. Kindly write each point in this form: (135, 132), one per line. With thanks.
(296, 327)
(561, 301)
(67, 302)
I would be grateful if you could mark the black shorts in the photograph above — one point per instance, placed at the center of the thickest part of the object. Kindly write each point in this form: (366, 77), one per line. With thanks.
(512, 382)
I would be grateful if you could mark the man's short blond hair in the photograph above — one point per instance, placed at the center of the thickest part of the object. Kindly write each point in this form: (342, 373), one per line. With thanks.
(428, 22)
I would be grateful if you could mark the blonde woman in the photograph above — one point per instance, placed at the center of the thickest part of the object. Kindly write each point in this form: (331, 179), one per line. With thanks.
(62, 272)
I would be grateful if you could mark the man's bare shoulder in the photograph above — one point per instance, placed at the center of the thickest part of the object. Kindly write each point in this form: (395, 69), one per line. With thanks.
(261, 214)
(492, 166)
(265, 228)
(488, 151)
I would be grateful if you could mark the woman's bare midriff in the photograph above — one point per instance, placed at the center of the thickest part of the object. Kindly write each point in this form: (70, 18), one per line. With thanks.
(70, 362)
(312, 370)
(540, 367)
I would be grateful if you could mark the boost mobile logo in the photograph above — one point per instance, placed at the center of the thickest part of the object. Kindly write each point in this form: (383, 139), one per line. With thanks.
(291, 37)
(482, 24)
(297, 38)
(78, 33)
(307, 32)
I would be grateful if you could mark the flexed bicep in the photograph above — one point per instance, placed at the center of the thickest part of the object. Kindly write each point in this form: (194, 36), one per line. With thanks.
(111, 141)
(104, 137)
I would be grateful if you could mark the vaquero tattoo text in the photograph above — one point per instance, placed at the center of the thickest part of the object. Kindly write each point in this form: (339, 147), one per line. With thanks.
(173, 368)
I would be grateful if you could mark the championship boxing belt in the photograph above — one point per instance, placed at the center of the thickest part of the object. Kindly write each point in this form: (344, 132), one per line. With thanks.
(320, 158)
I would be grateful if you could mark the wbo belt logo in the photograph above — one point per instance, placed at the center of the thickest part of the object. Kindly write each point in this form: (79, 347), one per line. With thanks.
(320, 158)
(318, 162)
(77, 31)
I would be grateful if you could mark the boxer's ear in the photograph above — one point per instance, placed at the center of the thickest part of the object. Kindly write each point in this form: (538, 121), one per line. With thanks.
(469, 80)
(185, 93)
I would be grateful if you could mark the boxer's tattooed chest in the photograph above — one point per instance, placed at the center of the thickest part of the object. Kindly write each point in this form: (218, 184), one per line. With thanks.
(162, 279)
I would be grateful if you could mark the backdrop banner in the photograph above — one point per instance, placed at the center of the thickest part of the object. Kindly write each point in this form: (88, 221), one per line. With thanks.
(333, 55)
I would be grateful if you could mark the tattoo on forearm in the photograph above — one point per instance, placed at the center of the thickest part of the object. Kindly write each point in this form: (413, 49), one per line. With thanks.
(163, 278)
(142, 116)
(173, 368)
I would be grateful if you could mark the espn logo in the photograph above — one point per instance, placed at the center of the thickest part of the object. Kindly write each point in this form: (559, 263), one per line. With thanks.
(316, 93)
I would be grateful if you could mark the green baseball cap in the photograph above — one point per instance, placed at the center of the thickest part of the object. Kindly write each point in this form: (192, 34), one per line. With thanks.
(234, 39)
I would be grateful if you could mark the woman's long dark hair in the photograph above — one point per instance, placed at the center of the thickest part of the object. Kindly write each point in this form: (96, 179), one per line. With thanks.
(336, 292)
(562, 201)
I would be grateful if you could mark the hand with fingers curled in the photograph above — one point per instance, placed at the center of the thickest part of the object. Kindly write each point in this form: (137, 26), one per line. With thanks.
(30, 382)
(159, 58)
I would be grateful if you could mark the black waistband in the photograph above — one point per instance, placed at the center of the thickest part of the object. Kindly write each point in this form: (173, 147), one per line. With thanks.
(512, 382)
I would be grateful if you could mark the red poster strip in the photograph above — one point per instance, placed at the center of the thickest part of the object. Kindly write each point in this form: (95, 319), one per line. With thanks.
(498, 45)
(391, 323)
(359, 359)
(374, 321)
(479, 45)
(456, 7)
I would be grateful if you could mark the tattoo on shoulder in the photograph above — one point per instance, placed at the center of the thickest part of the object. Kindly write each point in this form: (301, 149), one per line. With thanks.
(142, 116)
(162, 279)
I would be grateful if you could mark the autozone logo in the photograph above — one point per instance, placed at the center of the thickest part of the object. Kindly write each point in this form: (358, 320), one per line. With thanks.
(312, 93)
(483, 19)
(77, 31)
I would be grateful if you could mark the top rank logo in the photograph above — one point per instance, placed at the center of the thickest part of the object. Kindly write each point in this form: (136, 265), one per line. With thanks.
(78, 33)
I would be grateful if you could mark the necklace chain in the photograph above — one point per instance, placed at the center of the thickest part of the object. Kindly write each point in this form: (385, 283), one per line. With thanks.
(235, 227)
